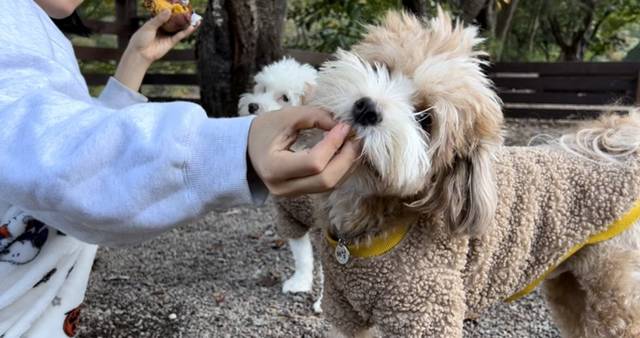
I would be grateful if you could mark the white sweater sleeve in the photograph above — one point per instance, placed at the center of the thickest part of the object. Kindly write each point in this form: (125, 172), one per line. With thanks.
(117, 96)
(111, 173)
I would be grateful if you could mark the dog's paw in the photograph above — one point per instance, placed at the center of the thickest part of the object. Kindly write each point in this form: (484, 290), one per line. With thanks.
(298, 283)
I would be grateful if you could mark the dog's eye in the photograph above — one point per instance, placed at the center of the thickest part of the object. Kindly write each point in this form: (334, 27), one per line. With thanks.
(425, 121)
(285, 98)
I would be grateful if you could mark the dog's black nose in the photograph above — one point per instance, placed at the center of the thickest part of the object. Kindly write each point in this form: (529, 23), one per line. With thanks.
(365, 113)
(253, 107)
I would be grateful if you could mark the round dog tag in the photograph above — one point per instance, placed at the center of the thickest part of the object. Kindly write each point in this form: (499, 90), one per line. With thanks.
(342, 254)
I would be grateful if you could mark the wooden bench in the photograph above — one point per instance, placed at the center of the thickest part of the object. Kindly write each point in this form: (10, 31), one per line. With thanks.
(566, 89)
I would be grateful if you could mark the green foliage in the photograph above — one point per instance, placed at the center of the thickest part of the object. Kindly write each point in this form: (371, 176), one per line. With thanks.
(327, 25)
(528, 39)
(619, 32)
(98, 10)
(612, 32)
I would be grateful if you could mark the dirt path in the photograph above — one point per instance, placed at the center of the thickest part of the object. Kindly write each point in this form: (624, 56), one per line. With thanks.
(221, 277)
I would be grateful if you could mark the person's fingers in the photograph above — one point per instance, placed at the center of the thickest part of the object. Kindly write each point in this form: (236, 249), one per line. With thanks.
(157, 21)
(182, 34)
(321, 153)
(311, 161)
(313, 117)
(329, 178)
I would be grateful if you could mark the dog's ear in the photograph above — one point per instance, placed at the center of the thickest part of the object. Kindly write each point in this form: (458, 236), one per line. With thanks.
(465, 192)
(309, 89)
(465, 130)
(466, 121)
(463, 139)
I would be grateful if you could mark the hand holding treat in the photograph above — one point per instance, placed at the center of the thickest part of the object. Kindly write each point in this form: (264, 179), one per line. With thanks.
(182, 14)
(148, 45)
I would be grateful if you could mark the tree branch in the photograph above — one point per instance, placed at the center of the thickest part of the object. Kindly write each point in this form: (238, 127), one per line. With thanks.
(599, 23)
(586, 23)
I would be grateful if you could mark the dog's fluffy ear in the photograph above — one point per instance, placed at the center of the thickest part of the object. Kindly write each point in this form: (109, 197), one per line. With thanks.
(466, 122)
(464, 193)
(462, 186)
(309, 89)
(465, 132)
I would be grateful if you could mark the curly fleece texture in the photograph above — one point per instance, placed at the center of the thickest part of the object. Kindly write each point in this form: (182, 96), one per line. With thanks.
(548, 202)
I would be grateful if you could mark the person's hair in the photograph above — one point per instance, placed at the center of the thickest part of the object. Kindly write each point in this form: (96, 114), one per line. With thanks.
(73, 25)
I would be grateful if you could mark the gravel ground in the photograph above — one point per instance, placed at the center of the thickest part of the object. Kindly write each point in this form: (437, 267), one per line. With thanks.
(221, 277)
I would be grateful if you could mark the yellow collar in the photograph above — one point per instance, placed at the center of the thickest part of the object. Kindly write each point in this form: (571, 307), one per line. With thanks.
(377, 246)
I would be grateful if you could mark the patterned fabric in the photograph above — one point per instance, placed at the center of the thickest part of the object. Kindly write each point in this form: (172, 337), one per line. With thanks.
(43, 277)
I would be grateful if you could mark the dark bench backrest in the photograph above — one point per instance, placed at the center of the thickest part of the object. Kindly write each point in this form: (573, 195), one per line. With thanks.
(562, 88)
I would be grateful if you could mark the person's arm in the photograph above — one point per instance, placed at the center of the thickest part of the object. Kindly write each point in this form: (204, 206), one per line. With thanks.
(111, 176)
(146, 46)
(117, 174)
(116, 95)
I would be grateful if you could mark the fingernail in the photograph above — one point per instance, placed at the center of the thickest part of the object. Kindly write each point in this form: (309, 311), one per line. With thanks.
(344, 128)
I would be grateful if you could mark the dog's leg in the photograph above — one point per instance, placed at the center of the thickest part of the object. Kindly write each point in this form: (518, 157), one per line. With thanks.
(345, 321)
(294, 220)
(317, 305)
(302, 279)
(610, 277)
(566, 301)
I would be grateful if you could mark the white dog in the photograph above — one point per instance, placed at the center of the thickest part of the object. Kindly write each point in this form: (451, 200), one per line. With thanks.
(281, 84)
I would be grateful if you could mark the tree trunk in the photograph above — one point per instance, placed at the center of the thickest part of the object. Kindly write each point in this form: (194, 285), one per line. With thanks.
(536, 24)
(573, 48)
(503, 26)
(488, 17)
(236, 36)
(572, 53)
(273, 14)
(471, 9)
(481, 13)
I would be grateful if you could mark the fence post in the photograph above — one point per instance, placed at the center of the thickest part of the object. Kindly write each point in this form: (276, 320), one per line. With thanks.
(126, 19)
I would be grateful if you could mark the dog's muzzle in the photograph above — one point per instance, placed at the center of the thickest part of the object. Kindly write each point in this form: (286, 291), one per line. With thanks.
(365, 113)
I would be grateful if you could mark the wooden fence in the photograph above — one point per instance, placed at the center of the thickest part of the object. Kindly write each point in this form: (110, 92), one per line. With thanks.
(546, 90)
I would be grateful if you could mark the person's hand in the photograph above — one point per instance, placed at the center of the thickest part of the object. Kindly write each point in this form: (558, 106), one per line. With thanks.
(152, 44)
(147, 45)
(288, 173)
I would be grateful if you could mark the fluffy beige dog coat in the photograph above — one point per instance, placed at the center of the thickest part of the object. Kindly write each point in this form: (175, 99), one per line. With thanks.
(550, 203)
